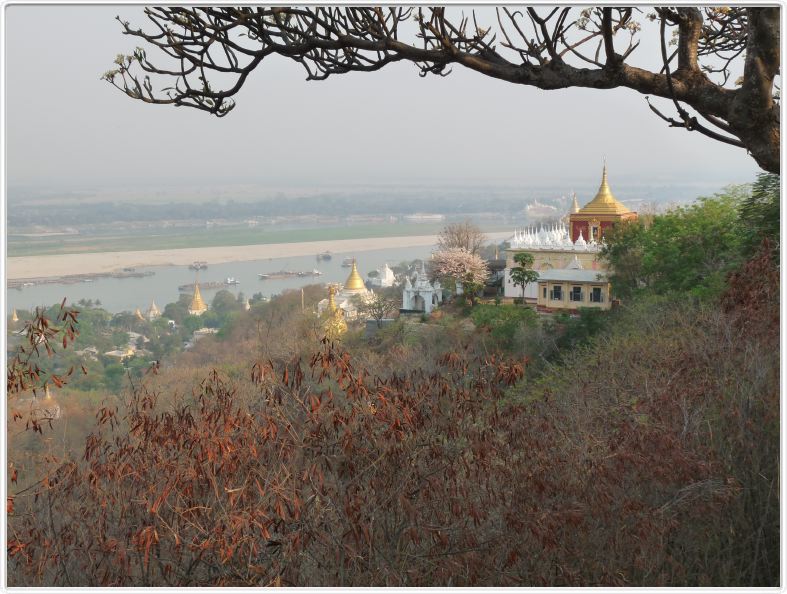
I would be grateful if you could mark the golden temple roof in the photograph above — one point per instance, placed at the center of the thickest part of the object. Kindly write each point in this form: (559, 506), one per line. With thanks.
(334, 325)
(197, 304)
(604, 202)
(354, 281)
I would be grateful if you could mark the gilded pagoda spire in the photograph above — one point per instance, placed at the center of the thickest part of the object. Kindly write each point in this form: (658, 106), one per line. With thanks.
(14, 317)
(604, 202)
(334, 324)
(354, 281)
(574, 203)
(197, 306)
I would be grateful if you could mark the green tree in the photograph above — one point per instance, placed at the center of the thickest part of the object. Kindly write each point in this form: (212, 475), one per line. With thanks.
(523, 274)
(760, 214)
(113, 376)
(119, 339)
(224, 302)
(687, 250)
(623, 249)
(176, 312)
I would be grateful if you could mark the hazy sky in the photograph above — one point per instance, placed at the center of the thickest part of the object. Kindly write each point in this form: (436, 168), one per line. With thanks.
(66, 128)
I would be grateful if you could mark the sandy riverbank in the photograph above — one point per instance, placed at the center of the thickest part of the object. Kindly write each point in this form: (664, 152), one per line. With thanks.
(64, 264)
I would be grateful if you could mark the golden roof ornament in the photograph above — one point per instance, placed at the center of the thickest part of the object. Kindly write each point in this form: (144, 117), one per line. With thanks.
(354, 281)
(14, 317)
(574, 204)
(197, 305)
(604, 203)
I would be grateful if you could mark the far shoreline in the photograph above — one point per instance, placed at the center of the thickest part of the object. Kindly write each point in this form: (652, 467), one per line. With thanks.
(48, 266)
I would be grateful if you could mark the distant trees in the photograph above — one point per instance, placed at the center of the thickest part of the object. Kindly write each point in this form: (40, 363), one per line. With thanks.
(225, 302)
(523, 274)
(464, 235)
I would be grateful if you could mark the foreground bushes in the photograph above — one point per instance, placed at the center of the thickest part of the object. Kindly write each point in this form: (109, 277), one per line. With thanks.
(648, 456)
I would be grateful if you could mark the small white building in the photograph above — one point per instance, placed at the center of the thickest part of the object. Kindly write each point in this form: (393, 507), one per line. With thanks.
(385, 277)
(421, 295)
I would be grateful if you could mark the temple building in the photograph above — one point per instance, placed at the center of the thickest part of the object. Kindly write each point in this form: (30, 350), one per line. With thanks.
(138, 315)
(334, 324)
(558, 246)
(421, 295)
(567, 289)
(599, 214)
(153, 311)
(197, 307)
(347, 297)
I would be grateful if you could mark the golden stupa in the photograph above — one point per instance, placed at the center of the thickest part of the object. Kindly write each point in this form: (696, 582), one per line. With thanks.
(354, 282)
(197, 306)
(604, 203)
(334, 325)
(574, 204)
(138, 315)
(14, 317)
(153, 310)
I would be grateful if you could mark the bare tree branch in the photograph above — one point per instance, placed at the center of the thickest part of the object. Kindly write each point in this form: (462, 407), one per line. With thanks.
(212, 51)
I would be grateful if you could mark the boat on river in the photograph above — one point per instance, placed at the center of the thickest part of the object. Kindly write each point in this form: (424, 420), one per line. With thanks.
(287, 274)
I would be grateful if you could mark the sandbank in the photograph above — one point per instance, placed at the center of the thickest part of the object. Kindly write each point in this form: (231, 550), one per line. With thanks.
(31, 267)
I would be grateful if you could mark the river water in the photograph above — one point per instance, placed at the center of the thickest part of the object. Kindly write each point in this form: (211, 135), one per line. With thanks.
(127, 294)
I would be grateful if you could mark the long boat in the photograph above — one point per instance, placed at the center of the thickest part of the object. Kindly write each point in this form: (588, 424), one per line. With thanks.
(287, 274)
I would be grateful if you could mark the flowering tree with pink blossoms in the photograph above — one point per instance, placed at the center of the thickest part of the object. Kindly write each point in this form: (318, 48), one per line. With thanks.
(463, 267)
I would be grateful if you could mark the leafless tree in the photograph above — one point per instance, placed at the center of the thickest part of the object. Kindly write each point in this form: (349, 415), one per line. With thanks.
(213, 51)
(462, 235)
(379, 306)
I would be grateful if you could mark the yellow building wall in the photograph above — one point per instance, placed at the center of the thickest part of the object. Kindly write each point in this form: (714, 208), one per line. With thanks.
(565, 303)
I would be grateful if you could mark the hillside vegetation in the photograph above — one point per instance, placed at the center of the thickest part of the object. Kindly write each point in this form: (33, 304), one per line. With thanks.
(483, 446)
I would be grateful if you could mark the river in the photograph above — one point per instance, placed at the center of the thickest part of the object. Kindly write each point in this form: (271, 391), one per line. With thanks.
(127, 294)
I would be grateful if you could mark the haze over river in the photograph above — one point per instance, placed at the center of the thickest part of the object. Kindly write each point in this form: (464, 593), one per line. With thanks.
(127, 294)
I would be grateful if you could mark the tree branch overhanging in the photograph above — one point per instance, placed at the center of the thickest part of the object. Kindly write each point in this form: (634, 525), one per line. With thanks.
(208, 54)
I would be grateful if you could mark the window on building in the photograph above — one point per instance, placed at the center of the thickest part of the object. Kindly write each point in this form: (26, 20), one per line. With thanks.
(575, 294)
(596, 295)
(545, 292)
(557, 293)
